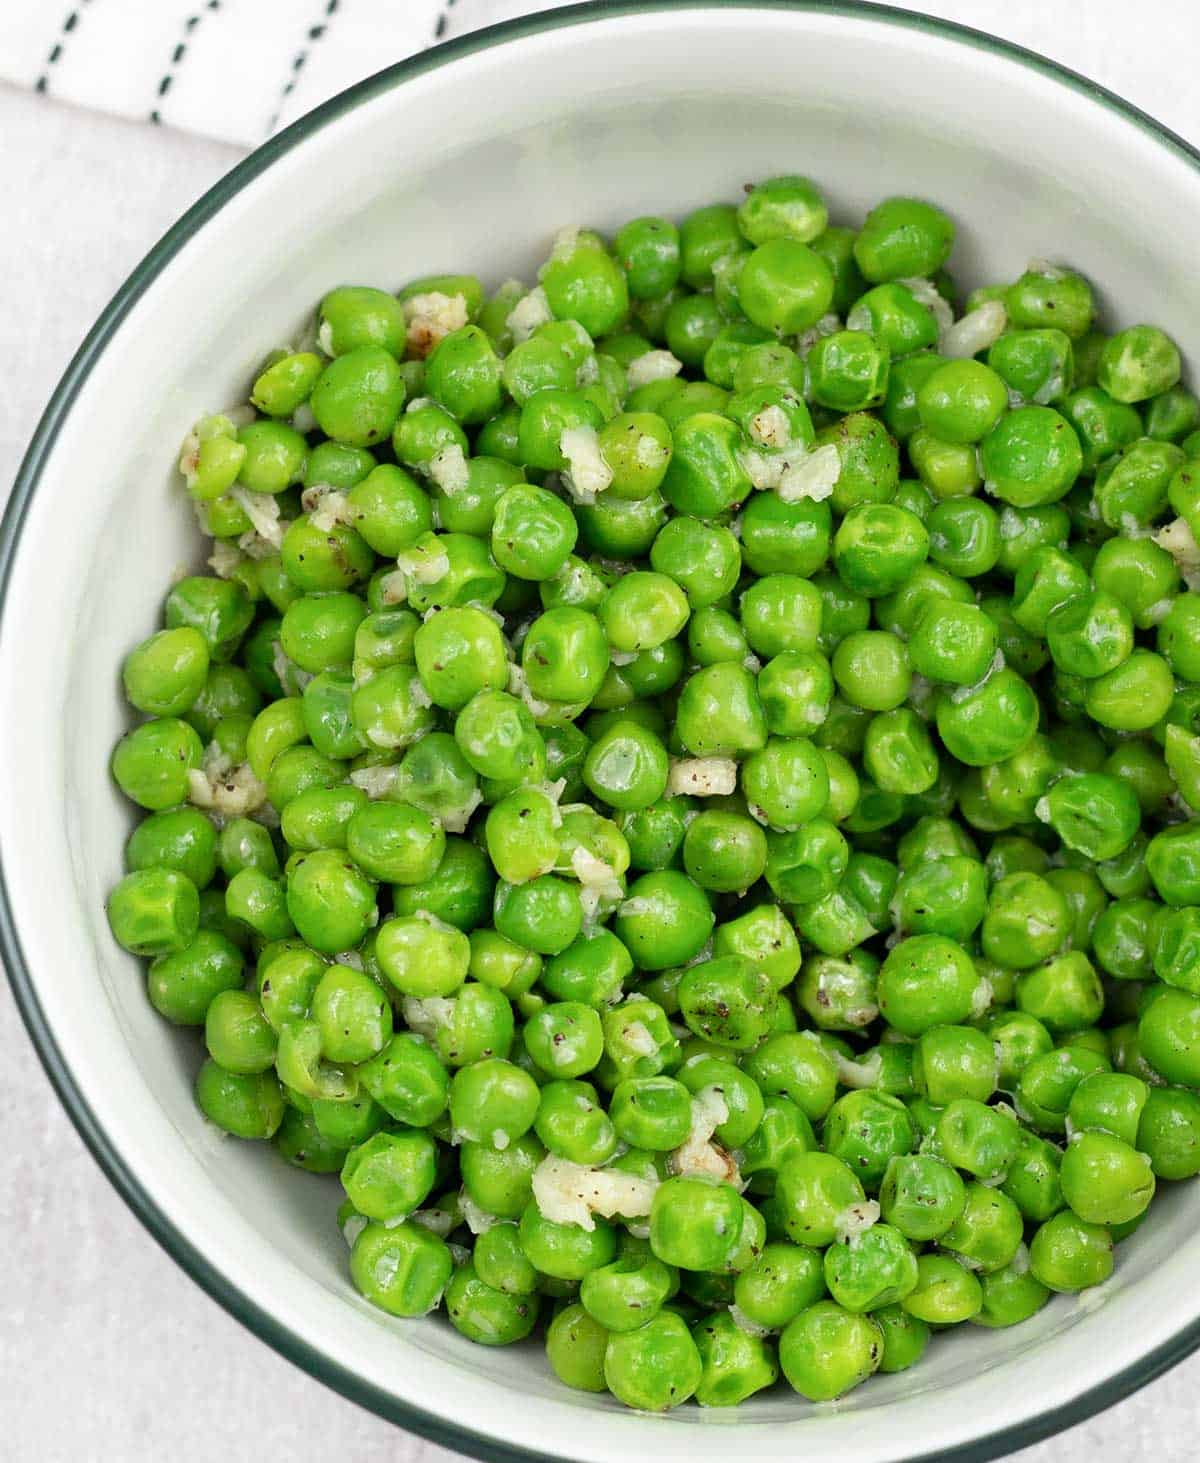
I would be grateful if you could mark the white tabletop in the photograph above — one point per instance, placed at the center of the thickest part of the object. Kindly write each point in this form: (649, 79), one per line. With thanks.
(107, 1351)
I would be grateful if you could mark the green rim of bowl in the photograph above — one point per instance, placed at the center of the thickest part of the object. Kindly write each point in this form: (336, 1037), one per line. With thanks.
(264, 1325)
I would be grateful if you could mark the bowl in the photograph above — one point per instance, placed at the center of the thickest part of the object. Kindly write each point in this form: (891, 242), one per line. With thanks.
(470, 156)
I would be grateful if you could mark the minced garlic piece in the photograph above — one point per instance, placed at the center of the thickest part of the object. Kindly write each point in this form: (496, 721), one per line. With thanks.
(224, 558)
(262, 509)
(637, 905)
(828, 324)
(926, 293)
(859, 1074)
(638, 1039)
(594, 873)
(426, 1017)
(570, 1193)
(1178, 540)
(352, 1226)
(477, 1220)
(856, 1220)
(702, 777)
(975, 332)
(377, 782)
(230, 792)
(449, 470)
(518, 686)
(698, 1156)
(438, 1221)
(431, 317)
(527, 314)
(650, 366)
(326, 506)
(587, 472)
(814, 476)
(743, 1322)
(771, 428)
(456, 821)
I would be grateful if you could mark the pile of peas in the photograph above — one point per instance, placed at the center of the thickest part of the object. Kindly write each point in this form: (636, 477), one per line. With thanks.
(680, 789)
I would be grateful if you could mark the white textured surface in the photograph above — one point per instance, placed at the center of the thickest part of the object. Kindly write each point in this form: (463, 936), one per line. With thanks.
(107, 1351)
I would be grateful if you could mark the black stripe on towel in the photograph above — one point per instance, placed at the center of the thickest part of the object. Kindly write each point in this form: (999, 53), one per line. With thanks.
(178, 55)
(300, 60)
(71, 20)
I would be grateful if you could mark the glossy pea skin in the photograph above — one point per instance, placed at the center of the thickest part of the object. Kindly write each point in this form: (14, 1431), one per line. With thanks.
(785, 286)
(826, 1351)
(654, 1368)
(736, 1364)
(486, 1316)
(962, 401)
(247, 1106)
(1069, 1254)
(648, 250)
(903, 237)
(927, 981)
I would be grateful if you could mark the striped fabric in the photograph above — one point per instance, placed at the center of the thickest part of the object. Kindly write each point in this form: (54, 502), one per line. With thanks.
(237, 70)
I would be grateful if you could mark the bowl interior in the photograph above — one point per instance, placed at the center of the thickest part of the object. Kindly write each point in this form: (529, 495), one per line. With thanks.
(472, 165)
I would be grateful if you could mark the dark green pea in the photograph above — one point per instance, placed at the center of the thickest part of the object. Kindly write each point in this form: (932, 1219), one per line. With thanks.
(1031, 457)
(1010, 1295)
(1069, 1254)
(921, 1196)
(1032, 1181)
(1037, 365)
(183, 984)
(927, 981)
(1049, 297)
(487, 1316)
(1048, 1083)
(825, 1351)
(1103, 426)
(648, 250)
(247, 1105)
(181, 839)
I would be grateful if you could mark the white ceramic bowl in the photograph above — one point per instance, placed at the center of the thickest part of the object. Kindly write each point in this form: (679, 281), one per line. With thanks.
(469, 157)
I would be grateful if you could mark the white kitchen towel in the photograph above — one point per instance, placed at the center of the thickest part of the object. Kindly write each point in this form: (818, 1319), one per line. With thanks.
(237, 70)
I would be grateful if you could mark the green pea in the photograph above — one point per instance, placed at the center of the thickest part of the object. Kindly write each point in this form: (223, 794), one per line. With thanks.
(533, 532)
(1045, 297)
(247, 1105)
(921, 1196)
(1010, 1295)
(648, 250)
(946, 1293)
(389, 1175)
(422, 957)
(826, 1350)
(1036, 365)
(654, 1368)
(575, 1347)
(1031, 457)
(487, 1316)
(182, 840)
(151, 763)
(497, 736)
(903, 237)
(1048, 1083)
(1069, 1254)
(584, 283)
(300, 1143)
(187, 974)
(1167, 1132)
(407, 1079)
(1138, 363)
(237, 1035)
(1032, 1181)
